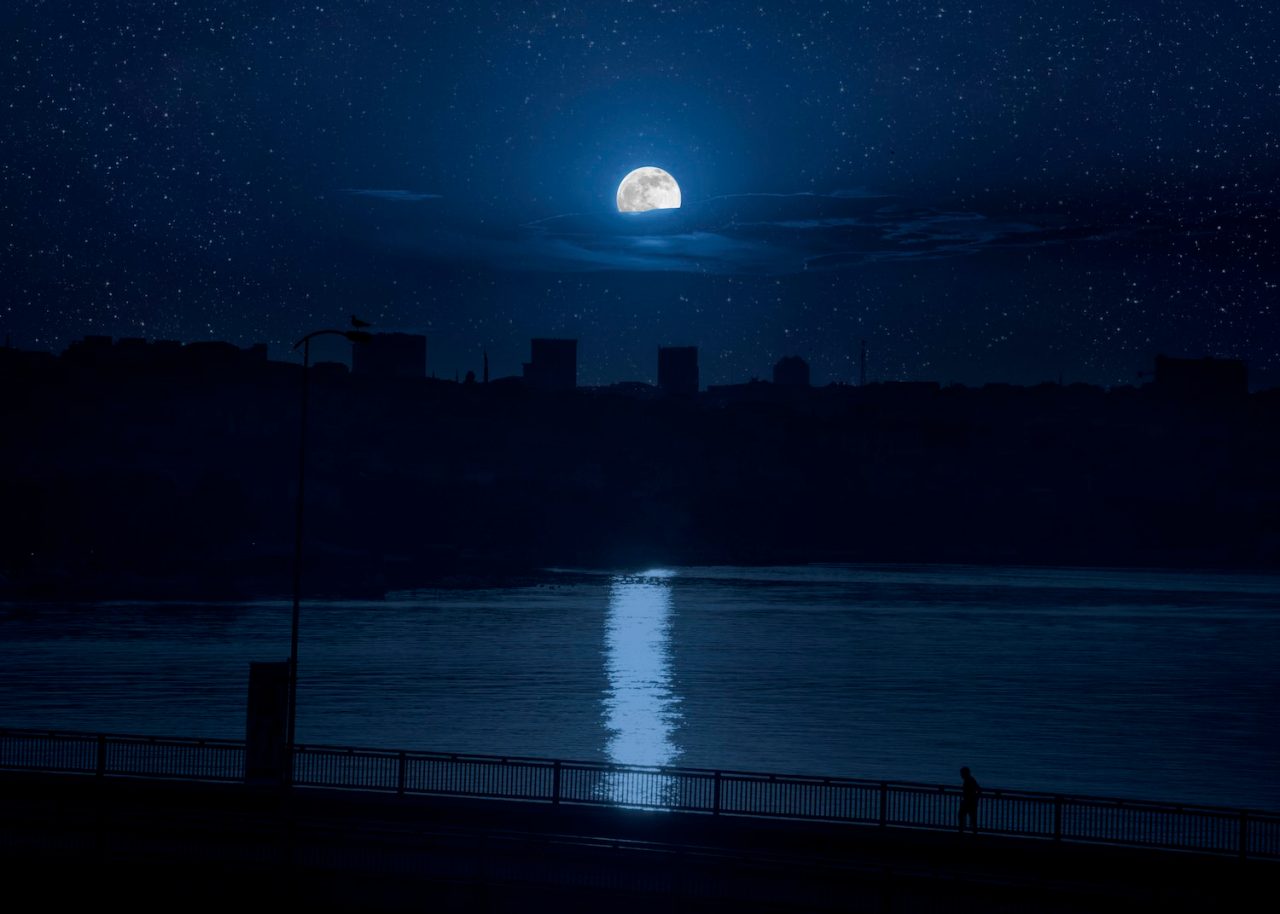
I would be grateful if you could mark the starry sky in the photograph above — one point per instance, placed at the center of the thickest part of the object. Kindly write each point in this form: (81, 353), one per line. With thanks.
(1011, 190)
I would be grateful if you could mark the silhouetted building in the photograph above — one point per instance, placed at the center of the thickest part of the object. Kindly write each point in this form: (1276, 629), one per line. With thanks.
(171, 350)
(137, 353)
(905, 394)
(791, 371)
(1201, 379)
(215, 352)
(553, 365)
(390, 355)
(133, 349)
(329, 371)
(92, 350)
(678, 370)
(753, 391)
(22, 361)
(632, 390)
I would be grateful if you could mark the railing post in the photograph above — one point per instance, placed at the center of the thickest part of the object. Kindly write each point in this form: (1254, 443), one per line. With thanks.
(1057, 818)
(1244, 834)
(101, 768)
(555, 783)
(400, 775)
(715, 795)
(884, 804)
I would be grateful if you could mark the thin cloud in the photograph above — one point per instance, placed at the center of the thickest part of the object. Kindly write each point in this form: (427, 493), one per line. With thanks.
(739, 234)
(769, 234)
(398, 196)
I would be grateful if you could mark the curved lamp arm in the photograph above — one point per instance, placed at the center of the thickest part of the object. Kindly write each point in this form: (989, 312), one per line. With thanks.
(355, 336)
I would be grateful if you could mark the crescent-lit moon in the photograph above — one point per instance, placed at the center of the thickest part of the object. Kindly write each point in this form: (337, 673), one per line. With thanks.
(648, 188)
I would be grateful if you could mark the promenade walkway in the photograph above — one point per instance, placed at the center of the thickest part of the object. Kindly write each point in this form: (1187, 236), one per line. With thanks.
(98, 816)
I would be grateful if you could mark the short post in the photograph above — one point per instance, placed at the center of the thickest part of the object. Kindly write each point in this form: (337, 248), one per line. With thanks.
(884, 804)
(400, 774)
(101, 769)
(1244, 834)
(555, 783)
(1057, 818)
(715, 795)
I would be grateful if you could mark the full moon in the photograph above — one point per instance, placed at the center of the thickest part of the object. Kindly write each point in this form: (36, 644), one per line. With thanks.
(648, 188)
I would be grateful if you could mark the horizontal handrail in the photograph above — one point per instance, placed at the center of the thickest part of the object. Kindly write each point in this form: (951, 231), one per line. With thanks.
(787, 777)
(897, 804)
(140, 737)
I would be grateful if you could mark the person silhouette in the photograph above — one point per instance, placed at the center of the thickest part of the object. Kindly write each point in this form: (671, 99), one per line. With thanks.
(969, 794)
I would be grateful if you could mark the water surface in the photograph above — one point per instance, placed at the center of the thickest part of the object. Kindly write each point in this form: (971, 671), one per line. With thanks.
(1129, 683)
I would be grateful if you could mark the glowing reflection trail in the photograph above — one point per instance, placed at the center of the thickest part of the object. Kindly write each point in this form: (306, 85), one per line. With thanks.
(640, 704)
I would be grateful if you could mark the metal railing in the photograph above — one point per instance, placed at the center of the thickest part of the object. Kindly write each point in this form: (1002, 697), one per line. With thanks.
(886, 804)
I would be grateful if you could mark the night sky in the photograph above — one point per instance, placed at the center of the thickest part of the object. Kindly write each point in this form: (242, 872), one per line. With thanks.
(994, 191)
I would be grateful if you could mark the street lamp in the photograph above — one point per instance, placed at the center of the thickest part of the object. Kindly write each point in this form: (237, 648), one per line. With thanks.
(355, 336)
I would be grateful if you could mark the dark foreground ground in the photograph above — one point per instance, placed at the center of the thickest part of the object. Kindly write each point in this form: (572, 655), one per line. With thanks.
(79, 843)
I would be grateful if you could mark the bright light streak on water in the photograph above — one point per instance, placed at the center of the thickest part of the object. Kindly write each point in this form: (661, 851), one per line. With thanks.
(640, 704)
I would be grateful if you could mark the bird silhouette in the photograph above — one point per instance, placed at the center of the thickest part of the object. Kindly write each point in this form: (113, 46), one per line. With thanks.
(356, 322)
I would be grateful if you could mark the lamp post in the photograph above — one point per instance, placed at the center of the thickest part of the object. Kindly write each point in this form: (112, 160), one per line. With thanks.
(355, 336)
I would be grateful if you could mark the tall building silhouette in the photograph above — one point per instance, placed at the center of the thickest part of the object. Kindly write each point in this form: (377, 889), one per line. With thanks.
(553, 365)
(678, 370)
(390, 355)
(1197, 379)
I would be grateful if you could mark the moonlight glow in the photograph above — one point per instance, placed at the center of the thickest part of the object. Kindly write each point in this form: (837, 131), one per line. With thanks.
(648, 188)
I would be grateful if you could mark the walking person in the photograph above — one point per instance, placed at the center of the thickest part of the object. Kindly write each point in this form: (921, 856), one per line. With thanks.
(969, 794)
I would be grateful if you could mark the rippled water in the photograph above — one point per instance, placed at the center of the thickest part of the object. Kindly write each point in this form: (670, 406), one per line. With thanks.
(1128, 683)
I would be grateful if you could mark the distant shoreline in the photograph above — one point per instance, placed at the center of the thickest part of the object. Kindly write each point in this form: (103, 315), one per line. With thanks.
(503, 578)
